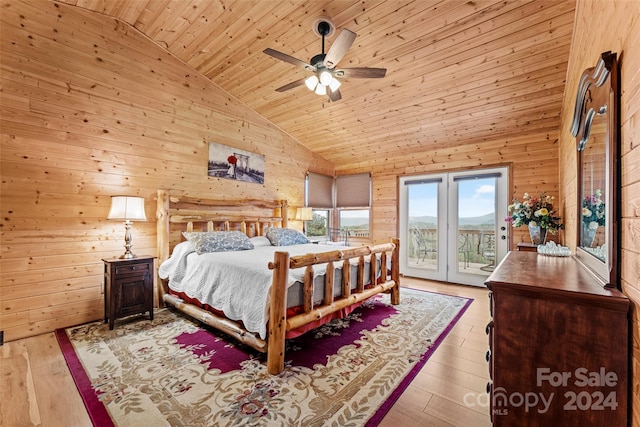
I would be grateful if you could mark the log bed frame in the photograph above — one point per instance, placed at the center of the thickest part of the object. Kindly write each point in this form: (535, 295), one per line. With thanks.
(179, 213)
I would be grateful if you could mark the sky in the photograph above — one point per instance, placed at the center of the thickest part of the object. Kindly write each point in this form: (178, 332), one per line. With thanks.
(476, 198)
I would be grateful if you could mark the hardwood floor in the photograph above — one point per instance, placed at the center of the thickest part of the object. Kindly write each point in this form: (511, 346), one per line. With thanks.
(450, 390)
(456, 373)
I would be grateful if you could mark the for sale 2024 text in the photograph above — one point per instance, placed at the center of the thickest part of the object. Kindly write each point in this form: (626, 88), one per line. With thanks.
(594, 400)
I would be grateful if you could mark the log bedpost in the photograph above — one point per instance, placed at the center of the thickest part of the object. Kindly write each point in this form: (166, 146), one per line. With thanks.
(284, 212)
(277, 313)
(162, 230)
(395, 272)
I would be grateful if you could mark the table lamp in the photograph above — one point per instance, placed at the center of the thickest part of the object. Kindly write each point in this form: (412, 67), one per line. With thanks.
(129, 209)
(304, 214)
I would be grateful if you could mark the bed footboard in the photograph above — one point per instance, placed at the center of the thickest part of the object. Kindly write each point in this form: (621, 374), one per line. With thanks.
(388, 282)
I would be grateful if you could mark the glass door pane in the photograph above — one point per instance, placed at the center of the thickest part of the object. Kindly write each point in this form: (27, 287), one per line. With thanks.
(449, 227)
(477, 199)
(423, 225)
(423, 206)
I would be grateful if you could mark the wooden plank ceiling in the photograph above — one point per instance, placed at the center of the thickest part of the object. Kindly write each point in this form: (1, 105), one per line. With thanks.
(458, 71)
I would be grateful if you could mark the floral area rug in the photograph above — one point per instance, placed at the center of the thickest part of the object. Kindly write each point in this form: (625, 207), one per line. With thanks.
(173, 371)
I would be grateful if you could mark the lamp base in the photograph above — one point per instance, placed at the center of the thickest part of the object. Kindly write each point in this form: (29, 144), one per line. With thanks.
(127, 242)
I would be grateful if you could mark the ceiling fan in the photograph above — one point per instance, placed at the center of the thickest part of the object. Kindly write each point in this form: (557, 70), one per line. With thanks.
(325, 81)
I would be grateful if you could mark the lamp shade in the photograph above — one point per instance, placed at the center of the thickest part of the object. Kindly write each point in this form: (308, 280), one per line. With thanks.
(335, 84)
(325, 78)
(304, 214)
(127, 208)
(311, 82)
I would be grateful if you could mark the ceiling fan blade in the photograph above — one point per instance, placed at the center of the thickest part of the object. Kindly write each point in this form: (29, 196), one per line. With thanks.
(361, 73)
(290, 59)
(334, 95)
(339, 48)
(291, 85)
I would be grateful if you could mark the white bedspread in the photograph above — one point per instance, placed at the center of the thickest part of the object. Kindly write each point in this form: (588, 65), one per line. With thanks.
(236, 283)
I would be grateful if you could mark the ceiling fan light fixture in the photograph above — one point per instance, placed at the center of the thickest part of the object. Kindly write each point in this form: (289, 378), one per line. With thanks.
(323, 65)
(325, 78)
(334, 84)
(311, 82)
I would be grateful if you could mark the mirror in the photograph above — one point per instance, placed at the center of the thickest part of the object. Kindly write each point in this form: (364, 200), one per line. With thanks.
(595, 126)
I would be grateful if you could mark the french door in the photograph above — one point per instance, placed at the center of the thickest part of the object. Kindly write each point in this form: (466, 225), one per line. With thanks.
(452, 225)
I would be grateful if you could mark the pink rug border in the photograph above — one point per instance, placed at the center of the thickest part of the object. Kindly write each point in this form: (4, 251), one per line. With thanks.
(100, 416)
(95, 408)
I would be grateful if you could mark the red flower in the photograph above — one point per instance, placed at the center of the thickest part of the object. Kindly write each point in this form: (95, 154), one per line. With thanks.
(232, 159)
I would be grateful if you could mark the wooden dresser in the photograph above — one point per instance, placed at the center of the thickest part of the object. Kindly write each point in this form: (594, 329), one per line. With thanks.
(558, 345)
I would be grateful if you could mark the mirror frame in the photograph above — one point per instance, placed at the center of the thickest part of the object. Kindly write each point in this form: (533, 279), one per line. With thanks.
(599, 94)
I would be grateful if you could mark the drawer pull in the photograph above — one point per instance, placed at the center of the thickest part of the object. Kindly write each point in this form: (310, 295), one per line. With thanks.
(491, 303)
(487, 355)
(487, 330)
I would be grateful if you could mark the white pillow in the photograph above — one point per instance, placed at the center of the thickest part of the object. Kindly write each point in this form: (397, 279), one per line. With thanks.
(260, 241)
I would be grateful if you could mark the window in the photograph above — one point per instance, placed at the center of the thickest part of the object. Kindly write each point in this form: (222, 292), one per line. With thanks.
(319, 191)
(353, 191)
(341, 205)
(319, 197)
(353, 200)
(319, 225)
(354, 222)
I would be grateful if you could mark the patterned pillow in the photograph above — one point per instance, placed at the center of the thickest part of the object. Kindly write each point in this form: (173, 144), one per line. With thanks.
(285, 236)
(218, 241)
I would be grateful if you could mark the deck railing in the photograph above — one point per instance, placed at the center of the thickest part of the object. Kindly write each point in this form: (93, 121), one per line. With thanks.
(474, 245)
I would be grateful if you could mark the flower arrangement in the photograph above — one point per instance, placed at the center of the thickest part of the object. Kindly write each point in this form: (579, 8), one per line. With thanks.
(593, 210)
(535, 212)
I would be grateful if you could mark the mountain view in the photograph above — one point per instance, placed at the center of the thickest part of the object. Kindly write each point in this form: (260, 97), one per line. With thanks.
(483, 221)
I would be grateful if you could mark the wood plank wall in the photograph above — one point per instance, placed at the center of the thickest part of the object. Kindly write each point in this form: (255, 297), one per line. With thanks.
(91, 108)
(602, 26)
(532, 157)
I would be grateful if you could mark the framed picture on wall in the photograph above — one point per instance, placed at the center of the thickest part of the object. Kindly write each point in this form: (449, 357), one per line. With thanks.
(232, 163)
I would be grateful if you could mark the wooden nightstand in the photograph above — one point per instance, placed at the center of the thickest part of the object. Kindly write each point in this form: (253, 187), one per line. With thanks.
(128, 287)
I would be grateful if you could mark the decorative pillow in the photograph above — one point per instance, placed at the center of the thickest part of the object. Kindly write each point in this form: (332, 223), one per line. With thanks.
(218, 241)
(285, 236)
(260, 241)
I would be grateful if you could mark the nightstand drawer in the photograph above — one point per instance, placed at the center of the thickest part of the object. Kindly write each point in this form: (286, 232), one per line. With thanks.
(132, 268)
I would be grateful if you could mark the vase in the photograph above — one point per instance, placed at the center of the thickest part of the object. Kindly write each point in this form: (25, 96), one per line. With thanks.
(588, 236)
(538, 235)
